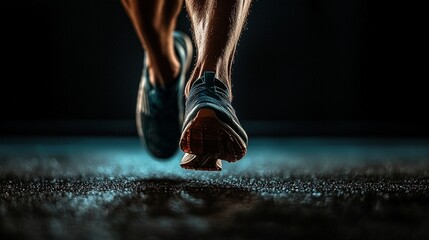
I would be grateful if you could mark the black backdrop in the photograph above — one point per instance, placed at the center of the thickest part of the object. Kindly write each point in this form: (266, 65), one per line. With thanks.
(298, 60)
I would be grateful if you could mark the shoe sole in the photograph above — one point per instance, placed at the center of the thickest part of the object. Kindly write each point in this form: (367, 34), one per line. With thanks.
(206, 135)
(206, 162)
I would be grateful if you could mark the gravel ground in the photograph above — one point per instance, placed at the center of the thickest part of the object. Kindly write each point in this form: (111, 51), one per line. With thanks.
(300, 188)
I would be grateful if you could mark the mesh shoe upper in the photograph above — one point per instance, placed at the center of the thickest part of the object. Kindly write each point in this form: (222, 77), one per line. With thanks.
(210, 92)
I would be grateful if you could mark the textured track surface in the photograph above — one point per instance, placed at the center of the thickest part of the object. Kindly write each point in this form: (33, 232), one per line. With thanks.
(108, 188)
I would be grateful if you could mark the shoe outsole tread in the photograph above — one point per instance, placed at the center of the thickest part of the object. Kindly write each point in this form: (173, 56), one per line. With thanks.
(206, 134)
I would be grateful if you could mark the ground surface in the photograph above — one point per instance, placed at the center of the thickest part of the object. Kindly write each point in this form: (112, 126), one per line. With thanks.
(109, 188)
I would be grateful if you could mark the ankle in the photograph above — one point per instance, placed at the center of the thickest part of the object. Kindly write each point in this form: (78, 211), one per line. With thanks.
(165, 72)
(220, 70)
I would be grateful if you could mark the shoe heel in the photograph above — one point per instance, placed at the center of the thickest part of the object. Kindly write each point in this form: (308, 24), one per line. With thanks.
(206, 134)
(206, 113)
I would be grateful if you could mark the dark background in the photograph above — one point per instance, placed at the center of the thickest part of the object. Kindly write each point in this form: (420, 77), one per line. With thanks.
(303, 67)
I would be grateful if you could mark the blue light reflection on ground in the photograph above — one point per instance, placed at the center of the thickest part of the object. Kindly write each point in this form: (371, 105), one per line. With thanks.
(125, 156)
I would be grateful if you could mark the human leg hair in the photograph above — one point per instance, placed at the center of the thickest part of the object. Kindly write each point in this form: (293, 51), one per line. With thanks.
(217, 25)
(154, 22)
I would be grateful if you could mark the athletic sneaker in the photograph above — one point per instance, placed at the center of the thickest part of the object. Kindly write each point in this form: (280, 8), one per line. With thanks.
(211, 129)
(159, 113)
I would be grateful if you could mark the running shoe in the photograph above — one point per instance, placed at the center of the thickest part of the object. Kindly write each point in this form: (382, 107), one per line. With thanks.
(211, 129)
(160, 111)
